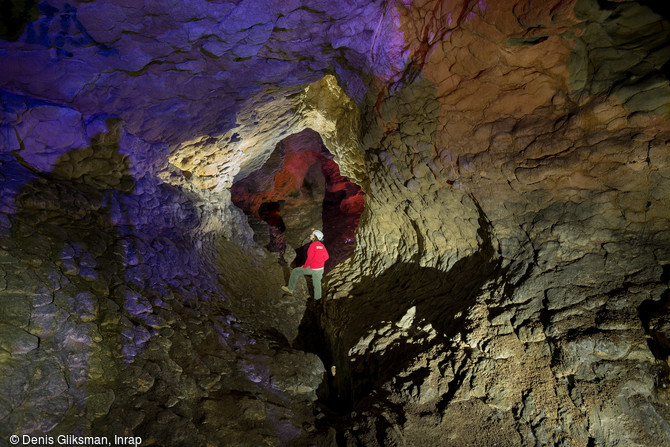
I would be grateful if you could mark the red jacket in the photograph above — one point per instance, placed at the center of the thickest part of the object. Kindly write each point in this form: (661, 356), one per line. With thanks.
(316, 256)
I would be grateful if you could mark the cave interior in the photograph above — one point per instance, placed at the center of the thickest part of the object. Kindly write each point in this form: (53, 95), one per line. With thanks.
(492, 179)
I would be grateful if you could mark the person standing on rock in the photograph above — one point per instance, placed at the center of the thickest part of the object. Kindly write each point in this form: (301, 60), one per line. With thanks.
(316, 258)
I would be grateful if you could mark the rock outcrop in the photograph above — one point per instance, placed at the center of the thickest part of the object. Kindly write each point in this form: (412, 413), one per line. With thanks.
(510, 278)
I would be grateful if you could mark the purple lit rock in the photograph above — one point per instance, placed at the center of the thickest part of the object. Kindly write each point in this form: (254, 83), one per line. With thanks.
(136, 304)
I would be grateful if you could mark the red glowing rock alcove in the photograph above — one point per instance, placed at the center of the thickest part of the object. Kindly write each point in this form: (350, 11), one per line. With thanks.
(302, 177)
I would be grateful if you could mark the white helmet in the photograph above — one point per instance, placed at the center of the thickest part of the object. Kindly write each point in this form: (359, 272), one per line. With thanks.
(318, 234)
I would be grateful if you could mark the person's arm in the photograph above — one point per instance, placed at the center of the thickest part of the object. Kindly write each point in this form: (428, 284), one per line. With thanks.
(310, 255)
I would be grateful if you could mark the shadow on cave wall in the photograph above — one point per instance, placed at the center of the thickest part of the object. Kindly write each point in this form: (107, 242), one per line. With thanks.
(71, 207)
(93, 256)
(63, 229)
(440, 298)
(67, 215)
(341, 211)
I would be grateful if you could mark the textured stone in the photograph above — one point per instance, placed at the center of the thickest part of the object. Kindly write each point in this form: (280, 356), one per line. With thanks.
(16, 341)
(511, 264)
(307, 366)
(97, 405)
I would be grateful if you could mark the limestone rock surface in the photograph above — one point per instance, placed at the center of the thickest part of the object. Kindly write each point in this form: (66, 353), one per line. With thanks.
(510, 278)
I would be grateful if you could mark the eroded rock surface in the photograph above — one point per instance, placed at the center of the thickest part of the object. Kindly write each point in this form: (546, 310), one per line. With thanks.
(510, 280)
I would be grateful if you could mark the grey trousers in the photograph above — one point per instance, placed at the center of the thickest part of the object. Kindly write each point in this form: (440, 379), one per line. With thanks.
(316, 279)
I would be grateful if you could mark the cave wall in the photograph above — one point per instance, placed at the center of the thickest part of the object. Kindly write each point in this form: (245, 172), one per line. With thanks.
(125, 308)
(511, 266)
(128, 277)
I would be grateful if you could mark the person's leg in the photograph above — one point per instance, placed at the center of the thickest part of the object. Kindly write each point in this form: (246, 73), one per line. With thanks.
(316, 281)
(295, 274)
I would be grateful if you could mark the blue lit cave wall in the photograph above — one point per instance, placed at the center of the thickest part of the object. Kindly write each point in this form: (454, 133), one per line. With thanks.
(493, 179)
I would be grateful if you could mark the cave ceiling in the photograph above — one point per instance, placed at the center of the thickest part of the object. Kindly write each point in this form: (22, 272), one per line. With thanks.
(212, 80)
(220, 83)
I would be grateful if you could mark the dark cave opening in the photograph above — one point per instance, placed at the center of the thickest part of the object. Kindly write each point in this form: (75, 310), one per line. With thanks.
(298, 189)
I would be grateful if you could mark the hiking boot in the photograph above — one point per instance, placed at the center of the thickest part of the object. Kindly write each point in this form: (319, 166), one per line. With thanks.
(287, 290)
